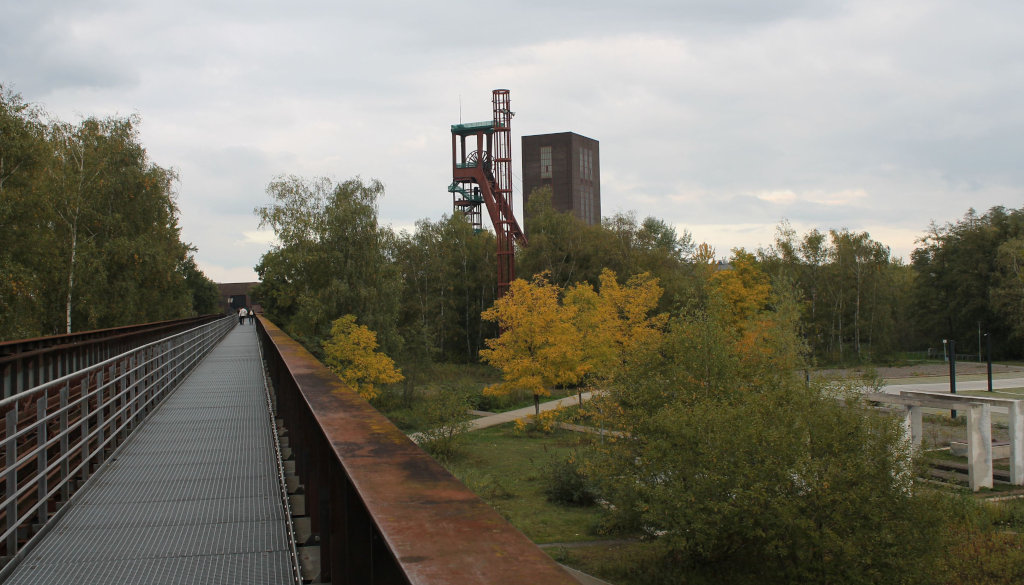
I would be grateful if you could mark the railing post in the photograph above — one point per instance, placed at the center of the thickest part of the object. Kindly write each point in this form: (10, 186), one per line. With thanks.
(65, 465)
(100, 419)
(84, 426)
(147, 393)
(41, 459)
(11, 479)
(165, 367)
(133, 391)
(123, 398)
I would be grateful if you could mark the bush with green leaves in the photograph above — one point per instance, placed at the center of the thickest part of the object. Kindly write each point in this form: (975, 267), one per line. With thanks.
(565, 483)
(445, 417)
(730, 460)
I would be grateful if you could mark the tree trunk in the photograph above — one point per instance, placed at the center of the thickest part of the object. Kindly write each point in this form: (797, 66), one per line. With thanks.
(856, 312)
(71, 276)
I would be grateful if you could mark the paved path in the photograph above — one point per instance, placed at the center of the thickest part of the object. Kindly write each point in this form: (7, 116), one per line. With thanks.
(506, 417)
(192, 496)
(961, 386)
(491, 420)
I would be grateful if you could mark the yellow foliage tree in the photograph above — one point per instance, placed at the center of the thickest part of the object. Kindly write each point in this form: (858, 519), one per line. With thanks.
(351, 353)
(744, 288)
(743, 299)
(615, 322)
(539, 347)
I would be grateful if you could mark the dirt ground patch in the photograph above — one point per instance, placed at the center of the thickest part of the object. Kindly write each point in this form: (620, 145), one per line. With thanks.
(923, 370)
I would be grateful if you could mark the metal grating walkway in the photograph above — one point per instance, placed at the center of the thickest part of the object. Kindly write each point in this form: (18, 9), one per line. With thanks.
(192, 497)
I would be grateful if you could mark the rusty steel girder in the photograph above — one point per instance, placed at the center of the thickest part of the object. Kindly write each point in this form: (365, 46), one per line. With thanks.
(384, 510)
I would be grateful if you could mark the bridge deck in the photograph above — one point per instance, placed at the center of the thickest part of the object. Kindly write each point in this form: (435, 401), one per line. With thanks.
(192, 497)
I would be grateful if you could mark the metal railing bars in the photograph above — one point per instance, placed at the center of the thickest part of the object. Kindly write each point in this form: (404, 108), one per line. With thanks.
(55, 435)
(29, 363)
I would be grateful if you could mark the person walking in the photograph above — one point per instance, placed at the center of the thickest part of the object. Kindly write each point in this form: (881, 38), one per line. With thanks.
(241, 316)
(252, 316)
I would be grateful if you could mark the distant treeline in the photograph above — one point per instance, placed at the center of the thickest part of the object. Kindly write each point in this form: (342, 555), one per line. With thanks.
(964, 281)
(423, 292)
(89, 234)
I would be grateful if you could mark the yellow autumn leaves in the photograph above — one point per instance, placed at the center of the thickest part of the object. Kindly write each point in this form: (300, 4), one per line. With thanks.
(351, 353)
(553, 339)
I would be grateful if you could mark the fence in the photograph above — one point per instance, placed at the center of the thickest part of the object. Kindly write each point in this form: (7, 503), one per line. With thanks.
(55, 435)
(27, 363)
(936, 354)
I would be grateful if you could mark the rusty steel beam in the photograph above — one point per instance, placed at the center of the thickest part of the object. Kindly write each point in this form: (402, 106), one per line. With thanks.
(385, 511)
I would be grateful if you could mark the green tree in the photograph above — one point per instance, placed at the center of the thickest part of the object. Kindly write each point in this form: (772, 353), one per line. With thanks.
(1008, 290)
(115, 227)
(204, 292)
(332, 259)
(89, 234)
(853, 294)
(959, 279)
(651, 246)
(561, 245)
(447, 270)
(740, 471)
(22, 226)
(571, 251)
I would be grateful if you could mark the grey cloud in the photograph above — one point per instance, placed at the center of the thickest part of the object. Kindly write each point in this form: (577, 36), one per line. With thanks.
(700, 105)
(43, 52)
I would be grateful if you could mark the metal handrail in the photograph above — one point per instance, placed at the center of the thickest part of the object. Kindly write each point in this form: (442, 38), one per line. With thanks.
(27, 363)
(384, 512)
(51, 449)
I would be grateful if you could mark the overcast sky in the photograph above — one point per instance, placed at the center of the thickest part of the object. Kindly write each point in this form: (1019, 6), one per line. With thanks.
(721, 117)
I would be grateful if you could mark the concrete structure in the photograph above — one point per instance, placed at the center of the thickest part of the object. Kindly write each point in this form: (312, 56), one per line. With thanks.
(571, 165)
(979, 429)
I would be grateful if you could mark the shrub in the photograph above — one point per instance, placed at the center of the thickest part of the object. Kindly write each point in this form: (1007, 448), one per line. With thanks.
(445, 416)
(545, 423)
(565, 483)
(733, 462)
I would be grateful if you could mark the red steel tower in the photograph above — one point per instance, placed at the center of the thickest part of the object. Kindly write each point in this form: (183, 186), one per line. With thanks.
(482, 175)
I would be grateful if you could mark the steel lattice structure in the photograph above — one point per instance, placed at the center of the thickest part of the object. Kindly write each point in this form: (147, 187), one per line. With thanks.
(482, 176)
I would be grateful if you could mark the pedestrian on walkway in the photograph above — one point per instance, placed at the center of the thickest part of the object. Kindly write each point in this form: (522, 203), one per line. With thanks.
(252, 316)
(241, 316)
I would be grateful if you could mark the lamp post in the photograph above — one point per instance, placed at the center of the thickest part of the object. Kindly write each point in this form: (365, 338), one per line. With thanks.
(988, 358)
(952, 371)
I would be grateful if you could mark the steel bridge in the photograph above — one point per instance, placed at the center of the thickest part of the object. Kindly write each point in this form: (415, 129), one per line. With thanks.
(225, 453)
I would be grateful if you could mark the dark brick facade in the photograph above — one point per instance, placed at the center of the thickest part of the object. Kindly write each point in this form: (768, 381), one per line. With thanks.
(574, 174)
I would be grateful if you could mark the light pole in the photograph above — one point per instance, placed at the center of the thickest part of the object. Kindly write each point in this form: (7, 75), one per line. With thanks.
(952, 371)
(988, 356)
